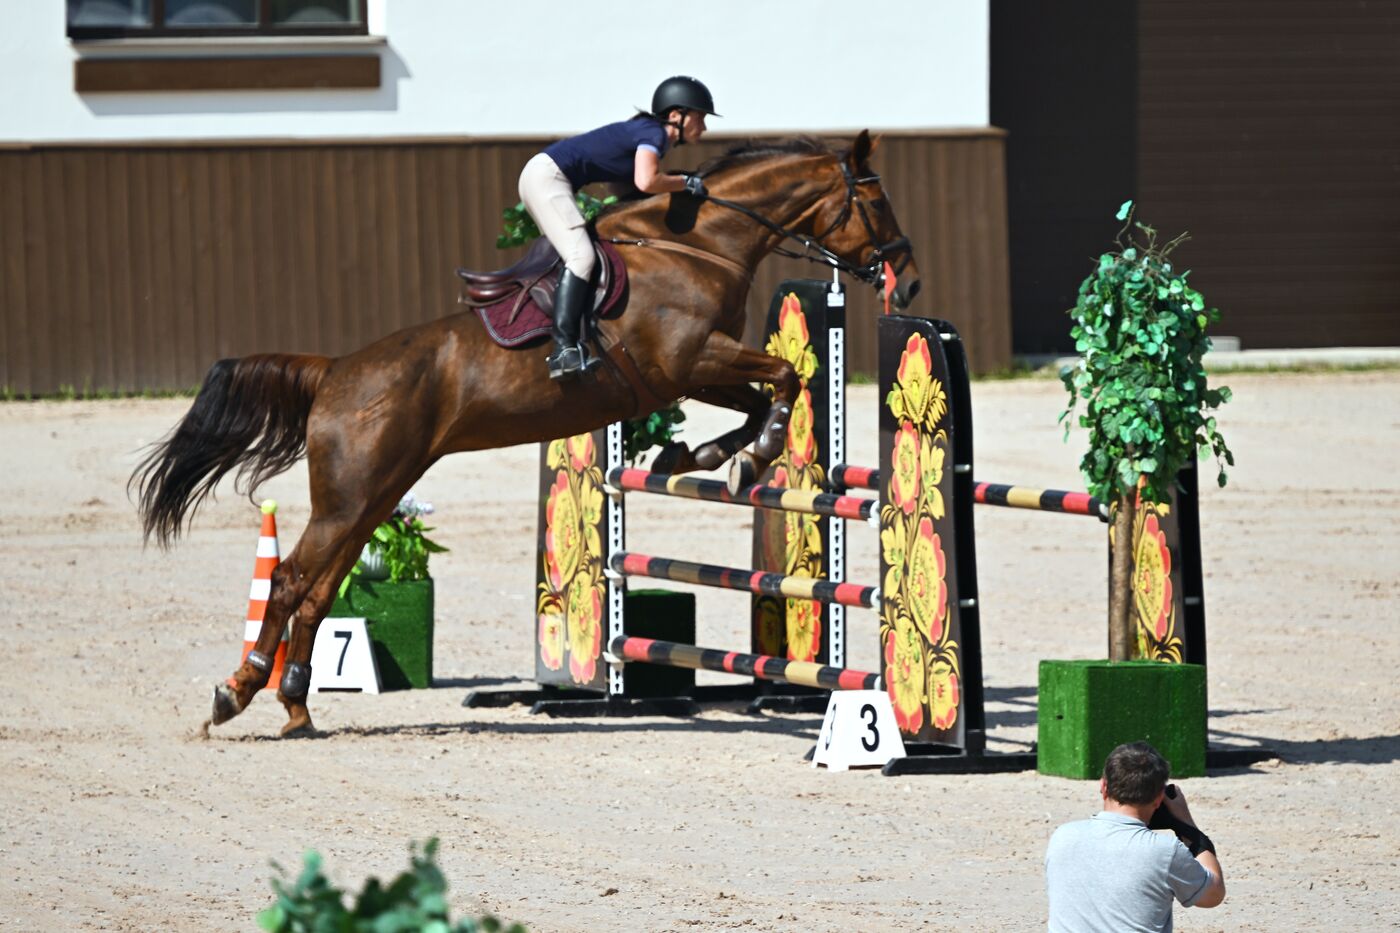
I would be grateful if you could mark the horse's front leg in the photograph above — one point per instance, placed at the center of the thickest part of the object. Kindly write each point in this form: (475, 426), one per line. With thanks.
(676, 457)
(727, 367)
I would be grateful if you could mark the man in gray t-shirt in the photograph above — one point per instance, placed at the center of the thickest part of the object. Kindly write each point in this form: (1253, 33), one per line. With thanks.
(1112, 872)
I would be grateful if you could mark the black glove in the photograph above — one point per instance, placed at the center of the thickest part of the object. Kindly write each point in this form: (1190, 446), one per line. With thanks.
(1195, 841)
(695, 186)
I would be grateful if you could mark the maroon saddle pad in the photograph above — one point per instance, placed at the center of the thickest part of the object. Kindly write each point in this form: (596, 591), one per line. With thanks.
(524, 312)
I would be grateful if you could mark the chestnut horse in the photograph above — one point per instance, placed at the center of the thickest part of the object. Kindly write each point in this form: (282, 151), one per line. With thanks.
(372, 422)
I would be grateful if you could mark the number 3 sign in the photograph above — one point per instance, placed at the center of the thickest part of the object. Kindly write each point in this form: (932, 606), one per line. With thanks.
(859, 731)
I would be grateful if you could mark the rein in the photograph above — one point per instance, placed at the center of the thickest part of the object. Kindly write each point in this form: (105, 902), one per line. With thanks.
(871, 272)
(675, 247)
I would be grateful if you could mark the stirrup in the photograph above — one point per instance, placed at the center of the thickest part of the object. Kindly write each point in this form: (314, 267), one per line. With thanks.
(567, 362)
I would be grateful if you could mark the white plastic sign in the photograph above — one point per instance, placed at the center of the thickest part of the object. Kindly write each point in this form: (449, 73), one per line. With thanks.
(342, 660)
(859, 731)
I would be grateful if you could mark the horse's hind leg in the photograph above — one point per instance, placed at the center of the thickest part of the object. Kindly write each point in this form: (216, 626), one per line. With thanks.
(359, 496)
(291, 583)
(333, 549)
(350, 495)
(285, 594)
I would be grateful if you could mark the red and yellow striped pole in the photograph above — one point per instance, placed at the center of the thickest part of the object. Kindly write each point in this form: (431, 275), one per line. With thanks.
(258, 593)
(802, 673)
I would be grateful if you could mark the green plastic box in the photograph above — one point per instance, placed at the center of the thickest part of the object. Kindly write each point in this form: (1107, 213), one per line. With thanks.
(665, 615)
(400, 622)
(1087, 708)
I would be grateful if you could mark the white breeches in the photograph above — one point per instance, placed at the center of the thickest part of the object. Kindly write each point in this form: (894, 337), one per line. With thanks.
(549, 198)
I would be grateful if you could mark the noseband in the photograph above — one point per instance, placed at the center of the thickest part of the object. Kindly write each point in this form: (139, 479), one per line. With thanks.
(814, 250)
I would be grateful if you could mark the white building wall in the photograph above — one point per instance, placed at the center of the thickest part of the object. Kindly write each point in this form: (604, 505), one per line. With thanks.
(458, 68)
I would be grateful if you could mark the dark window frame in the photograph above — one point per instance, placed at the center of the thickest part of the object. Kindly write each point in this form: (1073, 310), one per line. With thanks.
(263, 29)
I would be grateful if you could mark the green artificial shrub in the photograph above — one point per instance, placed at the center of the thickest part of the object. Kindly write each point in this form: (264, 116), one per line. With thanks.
(1141, 331)
(414, 902)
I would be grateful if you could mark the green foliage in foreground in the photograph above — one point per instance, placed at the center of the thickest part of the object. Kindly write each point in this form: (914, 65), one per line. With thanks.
(414, 902)
(1142, 331)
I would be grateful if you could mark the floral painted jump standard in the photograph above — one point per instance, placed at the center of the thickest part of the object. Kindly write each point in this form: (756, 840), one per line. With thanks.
(924, 605)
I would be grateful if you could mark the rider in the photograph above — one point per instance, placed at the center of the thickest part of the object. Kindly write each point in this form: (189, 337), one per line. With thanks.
(628, 151)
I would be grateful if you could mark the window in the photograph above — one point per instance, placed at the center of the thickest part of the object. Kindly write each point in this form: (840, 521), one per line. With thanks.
(112, 19)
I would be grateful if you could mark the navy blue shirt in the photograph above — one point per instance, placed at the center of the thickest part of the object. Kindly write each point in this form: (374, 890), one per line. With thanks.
(608, 153)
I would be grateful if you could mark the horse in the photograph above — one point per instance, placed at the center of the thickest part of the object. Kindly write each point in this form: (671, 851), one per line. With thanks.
(371, 423)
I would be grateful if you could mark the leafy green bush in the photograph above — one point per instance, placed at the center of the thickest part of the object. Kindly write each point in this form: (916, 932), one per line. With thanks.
(414, 902)
(402, 543)
(655, 430)
(520, 227)
(661, 426)
(1141, 330)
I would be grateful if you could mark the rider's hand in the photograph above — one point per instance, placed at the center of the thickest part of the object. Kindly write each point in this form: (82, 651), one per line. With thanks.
(695, 186)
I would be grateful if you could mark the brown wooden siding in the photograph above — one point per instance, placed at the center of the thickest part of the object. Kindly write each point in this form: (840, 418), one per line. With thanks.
(128, 268)
(1268, 130)
(1271, 131)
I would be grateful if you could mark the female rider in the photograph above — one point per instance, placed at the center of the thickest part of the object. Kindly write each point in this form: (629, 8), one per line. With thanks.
(629, 151)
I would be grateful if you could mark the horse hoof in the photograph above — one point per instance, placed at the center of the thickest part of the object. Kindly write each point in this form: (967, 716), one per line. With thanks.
(298, 727)
(743, 472)
(226, 705)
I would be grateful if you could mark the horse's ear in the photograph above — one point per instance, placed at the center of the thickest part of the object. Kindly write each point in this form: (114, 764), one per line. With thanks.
(861, 150)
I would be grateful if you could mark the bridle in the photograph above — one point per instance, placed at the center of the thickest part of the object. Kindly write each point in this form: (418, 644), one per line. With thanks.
(813, 250)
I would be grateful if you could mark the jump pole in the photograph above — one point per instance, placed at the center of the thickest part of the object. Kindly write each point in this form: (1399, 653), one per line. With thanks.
(626, 564)
(767, 667)
(849, 476)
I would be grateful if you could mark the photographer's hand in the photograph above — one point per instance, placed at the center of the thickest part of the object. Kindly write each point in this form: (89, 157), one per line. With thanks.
(1175, 815)
(1175, 802)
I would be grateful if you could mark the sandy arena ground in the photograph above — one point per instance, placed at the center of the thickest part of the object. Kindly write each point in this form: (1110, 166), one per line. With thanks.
(118, 817)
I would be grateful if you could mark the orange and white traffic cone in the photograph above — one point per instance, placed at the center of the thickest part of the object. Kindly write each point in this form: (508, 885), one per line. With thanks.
(267, 559)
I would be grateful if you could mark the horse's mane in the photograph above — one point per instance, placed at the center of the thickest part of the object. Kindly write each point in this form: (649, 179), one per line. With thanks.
(744, 153)
(751, 151)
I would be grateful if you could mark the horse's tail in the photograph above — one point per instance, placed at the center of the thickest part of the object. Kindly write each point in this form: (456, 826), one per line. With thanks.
(250, 414)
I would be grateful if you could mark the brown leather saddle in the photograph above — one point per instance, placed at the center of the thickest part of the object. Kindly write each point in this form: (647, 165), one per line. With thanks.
(535, 275)
(517, 303)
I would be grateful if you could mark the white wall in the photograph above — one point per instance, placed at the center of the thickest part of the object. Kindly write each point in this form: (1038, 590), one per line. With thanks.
(454, 68)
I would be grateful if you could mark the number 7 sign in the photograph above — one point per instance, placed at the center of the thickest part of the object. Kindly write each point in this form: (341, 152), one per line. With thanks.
(342, 660)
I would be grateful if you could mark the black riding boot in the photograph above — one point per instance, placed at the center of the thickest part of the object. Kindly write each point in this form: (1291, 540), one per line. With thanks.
(570, 357)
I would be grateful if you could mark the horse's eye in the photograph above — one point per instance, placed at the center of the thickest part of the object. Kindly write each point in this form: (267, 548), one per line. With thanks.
(878, 204)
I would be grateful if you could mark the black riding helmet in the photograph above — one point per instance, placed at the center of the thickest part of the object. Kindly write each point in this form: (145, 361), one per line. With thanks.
(682, 93)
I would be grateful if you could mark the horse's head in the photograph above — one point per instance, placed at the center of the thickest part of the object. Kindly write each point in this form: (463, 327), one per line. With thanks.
(857, 223)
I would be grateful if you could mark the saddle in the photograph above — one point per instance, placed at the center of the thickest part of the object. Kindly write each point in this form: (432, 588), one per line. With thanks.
(517, 303)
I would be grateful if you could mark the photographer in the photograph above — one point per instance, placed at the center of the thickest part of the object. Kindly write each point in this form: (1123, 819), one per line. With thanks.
(1112, 872)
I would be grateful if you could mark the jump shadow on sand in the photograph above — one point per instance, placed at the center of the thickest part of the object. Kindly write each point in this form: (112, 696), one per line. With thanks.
(471, 683)
(1372, 750)
(800, 726)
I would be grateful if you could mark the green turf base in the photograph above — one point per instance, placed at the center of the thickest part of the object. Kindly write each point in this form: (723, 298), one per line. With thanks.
(668, 616)
(1087, 708)
(400, 620)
